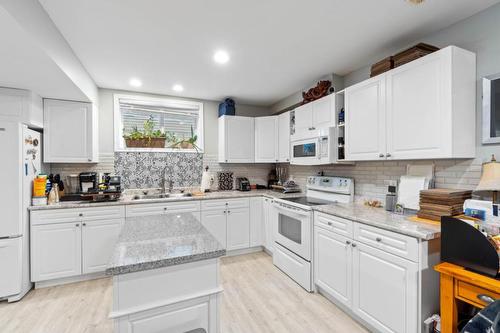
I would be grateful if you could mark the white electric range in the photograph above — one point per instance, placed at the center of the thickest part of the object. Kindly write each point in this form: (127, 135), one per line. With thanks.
(293, 226)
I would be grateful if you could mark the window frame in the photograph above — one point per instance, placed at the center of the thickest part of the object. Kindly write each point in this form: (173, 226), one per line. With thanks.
(119, 142)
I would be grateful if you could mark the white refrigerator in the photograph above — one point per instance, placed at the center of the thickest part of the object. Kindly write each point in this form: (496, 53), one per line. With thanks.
(20, 162)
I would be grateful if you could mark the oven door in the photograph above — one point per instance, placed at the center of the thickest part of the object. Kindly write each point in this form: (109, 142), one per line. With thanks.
(293, 229)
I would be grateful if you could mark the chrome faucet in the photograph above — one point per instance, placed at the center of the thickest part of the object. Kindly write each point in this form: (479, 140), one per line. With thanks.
(166, 179)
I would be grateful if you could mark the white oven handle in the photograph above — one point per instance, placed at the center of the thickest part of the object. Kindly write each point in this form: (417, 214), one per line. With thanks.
(290, 209)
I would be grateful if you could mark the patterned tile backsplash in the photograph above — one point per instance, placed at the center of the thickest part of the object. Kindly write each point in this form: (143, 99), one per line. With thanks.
(145, 169)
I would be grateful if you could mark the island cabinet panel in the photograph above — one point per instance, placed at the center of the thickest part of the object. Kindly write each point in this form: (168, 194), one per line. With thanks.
(98, 241)
(55, 251)
(176, 298)
(238, 229)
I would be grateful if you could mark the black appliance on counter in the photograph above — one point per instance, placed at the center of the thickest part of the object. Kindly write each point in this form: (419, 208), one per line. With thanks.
(89, 182)
(242, 184)
(464, 245)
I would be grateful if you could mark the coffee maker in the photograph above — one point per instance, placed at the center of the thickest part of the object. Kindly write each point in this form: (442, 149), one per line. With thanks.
(88, 182)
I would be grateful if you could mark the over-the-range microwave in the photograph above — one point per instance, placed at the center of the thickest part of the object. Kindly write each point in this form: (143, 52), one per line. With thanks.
(316, 150)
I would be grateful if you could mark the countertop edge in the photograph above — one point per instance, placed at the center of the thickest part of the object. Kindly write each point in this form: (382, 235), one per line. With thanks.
(171, 262)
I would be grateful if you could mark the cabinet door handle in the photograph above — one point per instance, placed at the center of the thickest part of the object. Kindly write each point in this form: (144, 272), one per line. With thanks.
(164, 208)
(381, 155)
(353, 245)
(388, 155)
(77, 225)
(378, 239)
(81, 214)
(348, 242)
(330, 223)
(229, 212)
(84, 224)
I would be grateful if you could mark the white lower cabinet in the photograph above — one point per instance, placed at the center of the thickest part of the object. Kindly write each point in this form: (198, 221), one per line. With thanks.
(268, 220)
(385, 290)
(228, 221)
(71, 242)
(238, 228)
(379, 287)
(98, 242)
(333, 264)
(56, 251)
(215, 222)
(256, 222)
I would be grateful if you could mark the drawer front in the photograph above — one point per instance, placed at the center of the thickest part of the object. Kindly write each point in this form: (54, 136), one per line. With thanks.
(55, 216)
(162, 208)
(183, 207)
(334, 224)
(103, 213)
(470, 293)
(213, 205)
(77, 214)
(400, 245)
(223, 203)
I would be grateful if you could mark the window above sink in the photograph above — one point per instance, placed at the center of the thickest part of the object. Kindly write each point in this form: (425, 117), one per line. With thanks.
(149, 124)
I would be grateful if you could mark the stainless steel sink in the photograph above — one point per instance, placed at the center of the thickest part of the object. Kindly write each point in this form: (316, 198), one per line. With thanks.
(160, 196)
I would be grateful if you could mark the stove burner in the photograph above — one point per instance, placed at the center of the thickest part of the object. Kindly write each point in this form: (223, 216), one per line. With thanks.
(308, 201)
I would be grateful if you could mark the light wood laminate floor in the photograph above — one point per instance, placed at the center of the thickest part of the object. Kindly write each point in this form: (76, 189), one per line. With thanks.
(257, 298)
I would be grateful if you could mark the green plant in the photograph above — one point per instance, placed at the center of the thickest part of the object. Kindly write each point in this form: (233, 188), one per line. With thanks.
(148, 132)
(191, 141)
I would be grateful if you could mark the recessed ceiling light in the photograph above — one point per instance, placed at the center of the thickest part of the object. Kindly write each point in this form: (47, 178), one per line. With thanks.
(221, 57)
(178, 87)
(135, 82)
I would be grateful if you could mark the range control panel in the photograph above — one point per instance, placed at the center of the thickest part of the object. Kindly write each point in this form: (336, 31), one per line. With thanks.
(331, 184)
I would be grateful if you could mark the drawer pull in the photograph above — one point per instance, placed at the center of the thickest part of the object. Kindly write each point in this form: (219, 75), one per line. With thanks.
(378, 239)
(77, 225)
(485, 298)
(353, 245)
(330, 223)
(81, 214)
(348, 242)
(84, 224)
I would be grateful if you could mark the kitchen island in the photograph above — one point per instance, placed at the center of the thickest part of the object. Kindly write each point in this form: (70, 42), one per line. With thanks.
(165, 275)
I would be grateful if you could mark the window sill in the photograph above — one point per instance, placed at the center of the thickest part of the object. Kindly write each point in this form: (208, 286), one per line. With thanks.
(157, 150)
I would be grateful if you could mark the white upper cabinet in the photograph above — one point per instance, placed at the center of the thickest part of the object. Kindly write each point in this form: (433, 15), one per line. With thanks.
(365, 119)
(303, 119)
(323, 112)
(421, 110)
(284, 137)
(236, 139)
(314, 115)
(70, 132)
(21, 106)
(266, 139)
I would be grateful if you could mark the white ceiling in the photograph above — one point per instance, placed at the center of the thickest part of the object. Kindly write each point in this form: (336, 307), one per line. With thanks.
(276, 46)
(25, 66)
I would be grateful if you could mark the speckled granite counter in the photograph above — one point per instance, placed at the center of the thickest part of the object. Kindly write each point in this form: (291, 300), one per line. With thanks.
(379, 217)
(150, 242)
(127, 200)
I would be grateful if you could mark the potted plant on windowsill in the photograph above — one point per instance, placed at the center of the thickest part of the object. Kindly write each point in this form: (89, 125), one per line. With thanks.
(189, 143)
(148, 138)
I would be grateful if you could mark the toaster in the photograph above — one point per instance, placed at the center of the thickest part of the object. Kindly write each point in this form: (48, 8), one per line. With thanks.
(242, 184)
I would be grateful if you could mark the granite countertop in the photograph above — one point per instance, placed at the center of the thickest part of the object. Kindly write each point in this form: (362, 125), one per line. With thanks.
(383, 219)
(127, 199)
(150, 242)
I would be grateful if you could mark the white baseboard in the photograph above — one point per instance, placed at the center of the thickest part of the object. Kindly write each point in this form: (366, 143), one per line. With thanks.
(71, 279)
(244, 251)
